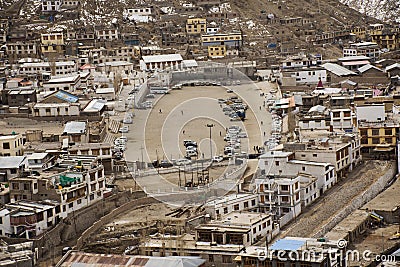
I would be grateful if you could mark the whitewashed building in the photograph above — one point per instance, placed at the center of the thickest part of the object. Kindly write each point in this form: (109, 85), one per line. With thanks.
(161, 62)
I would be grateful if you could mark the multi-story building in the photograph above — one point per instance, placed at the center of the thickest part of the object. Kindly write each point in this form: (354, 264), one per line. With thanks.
(278, 163)
(216, 51)
(342, 119)
(23, 49)
(234, 39)
(369, 49)
(387, 39)
(196, 26)
(29, 219)
(51, 5)
(52, 43)
(11, 145)
(11, 167)
(74, 189)
(238, 228)
(378, 133)
(279, 195)
(231, 203)
(343, 152)
(53, 68)
(104, 33)
(38, 162)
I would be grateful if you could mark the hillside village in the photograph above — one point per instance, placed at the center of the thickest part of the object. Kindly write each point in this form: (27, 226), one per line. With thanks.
(198, 133)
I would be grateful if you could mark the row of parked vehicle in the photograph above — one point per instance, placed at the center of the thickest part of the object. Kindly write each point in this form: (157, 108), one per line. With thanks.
(234, 108)
(233, 137)
(120, 147)
(276, 128)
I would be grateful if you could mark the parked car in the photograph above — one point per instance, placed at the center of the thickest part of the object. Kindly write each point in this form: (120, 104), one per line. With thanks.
(124, 129)
(181, 162)
(191, 153)
(217, 159)
(165, 164)
(229, 90)
(127, 120)
(191, 143)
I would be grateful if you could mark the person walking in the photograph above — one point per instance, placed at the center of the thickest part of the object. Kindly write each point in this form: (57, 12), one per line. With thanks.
(160, 110)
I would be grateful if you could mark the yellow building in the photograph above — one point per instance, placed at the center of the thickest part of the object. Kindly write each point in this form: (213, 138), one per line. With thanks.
(360, 32)
(216, 51)
(390, 40)
(378, 137)
(228, 39)
(375, 29)
(11, 145)
(196, 26)
(52, 43)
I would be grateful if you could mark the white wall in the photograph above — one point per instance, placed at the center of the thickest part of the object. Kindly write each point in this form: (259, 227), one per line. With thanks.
(372, 113)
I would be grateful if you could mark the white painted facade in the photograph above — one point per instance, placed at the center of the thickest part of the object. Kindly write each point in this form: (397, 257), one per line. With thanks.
(342, 119)
(51, 5)
(280, 195)
(56, 109)
(278, 163)
(88, 189)
(231, 203)
(307, 76)
(371, 113)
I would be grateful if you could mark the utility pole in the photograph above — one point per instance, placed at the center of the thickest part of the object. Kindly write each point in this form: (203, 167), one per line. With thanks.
(210, 126)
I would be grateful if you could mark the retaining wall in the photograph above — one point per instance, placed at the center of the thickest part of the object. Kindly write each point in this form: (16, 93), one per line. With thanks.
(360, 200)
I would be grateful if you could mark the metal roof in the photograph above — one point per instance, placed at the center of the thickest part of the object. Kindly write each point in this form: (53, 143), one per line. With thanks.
(95, 105)
(162, 58)
(337, 70)
(355, 62)
(367, 67)
(75, 259)
(11, 162)
(75, 127)
(393, 66)
(287, 244)
(66, 96)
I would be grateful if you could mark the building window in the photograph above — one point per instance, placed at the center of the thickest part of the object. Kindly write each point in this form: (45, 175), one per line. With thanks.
(246, 204)
(225, 210)
(375, 141)
(236, 207)
(388, 132)
(276, 163)
(253, 202)
(375, 132)
(6, 145)
(226, 259)
(210, 258)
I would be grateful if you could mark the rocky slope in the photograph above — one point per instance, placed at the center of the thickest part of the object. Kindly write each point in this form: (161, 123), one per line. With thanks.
(385, 10)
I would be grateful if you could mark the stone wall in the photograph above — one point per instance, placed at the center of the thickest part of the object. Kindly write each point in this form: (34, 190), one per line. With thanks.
(76, 223)
(360, 200)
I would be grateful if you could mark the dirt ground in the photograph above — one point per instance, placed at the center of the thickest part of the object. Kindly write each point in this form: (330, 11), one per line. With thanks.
(192, 130)
(377, 241)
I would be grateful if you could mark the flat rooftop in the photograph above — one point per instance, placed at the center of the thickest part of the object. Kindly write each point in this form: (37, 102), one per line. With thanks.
(388, 200)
